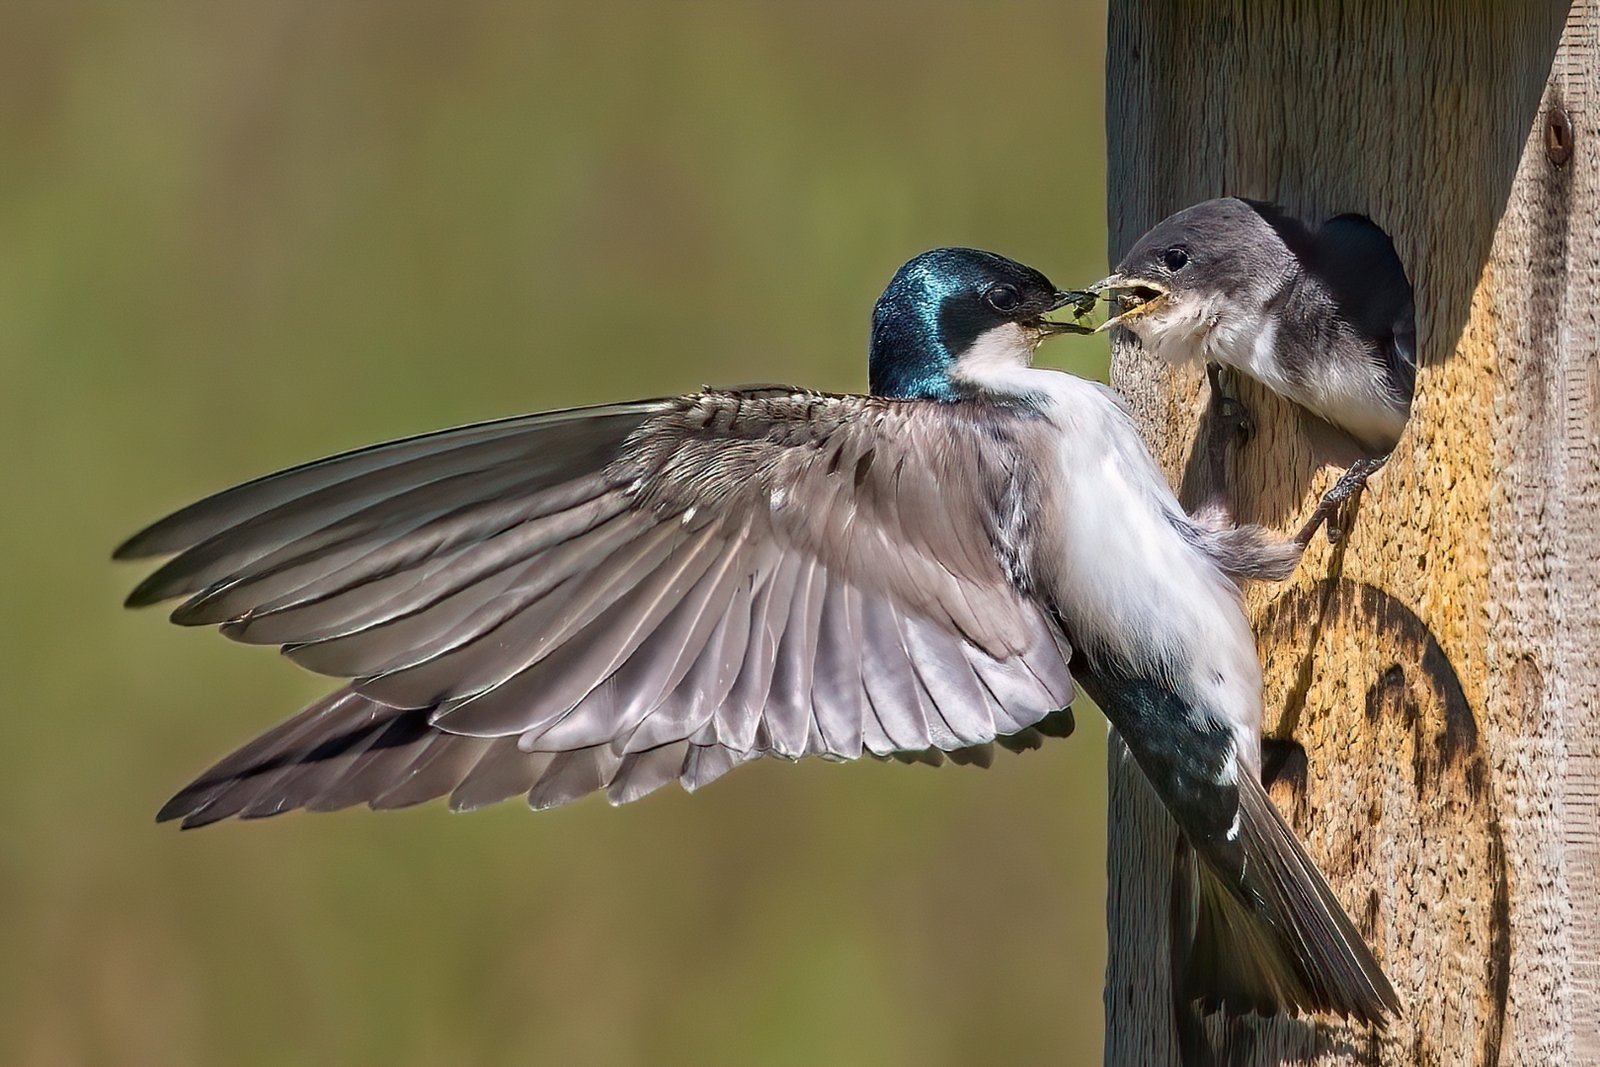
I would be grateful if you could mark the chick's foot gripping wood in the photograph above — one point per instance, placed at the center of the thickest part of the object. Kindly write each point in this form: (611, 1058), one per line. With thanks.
(1347, 488)
(1230, 427)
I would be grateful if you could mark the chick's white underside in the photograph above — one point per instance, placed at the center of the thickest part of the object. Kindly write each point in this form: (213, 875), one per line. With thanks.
(1188, 329)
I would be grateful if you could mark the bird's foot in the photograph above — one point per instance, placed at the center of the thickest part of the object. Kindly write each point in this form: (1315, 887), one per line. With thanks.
(1228, 427)
(1231, 420)
(1349, 485)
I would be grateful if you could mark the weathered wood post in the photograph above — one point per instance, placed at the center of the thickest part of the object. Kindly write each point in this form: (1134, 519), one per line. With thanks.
(1440, 666)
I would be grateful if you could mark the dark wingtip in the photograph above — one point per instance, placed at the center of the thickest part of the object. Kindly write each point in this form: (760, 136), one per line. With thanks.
(174, 579)
(144, 544)
(176, 808)
(190, 802)
(199, 819)
(129, 549)
(145, 594)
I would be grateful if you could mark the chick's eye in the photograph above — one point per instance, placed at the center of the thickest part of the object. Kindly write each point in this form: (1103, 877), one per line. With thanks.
(1175, 259)
(1003, 298)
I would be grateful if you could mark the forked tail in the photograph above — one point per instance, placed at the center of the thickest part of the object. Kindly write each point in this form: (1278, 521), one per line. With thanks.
(1272, 936)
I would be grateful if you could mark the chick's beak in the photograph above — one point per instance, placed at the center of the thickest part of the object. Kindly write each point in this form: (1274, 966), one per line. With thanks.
(1130, 296)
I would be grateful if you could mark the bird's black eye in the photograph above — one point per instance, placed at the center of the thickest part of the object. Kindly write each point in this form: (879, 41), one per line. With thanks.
(1175, 259)
(1003, 297)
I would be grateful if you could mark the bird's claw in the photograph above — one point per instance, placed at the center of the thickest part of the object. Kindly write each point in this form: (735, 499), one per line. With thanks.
(1349, 485)
(1235, 420)
(1231, 418)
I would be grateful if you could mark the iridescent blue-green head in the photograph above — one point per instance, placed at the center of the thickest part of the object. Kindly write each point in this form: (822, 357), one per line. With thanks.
(954, 316)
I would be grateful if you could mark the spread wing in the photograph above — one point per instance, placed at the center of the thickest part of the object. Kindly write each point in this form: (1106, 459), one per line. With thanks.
(619, 597)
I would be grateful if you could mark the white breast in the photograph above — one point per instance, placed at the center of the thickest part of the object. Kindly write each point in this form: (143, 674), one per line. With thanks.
(1125, 579)
(1348, 390)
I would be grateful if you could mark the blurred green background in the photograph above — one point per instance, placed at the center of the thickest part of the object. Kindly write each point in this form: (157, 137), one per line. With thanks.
(234, 236)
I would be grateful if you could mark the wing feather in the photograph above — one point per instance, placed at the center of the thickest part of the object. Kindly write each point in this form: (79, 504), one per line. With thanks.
(625, 597)
(738, 727)
(642, 773)
(418, 523)
(786, 717)
(377, 768)
(309, 601)
(955, 696)
(891, 680)
(841, 721)
(504, 771)
(686, 711)
(548, 689)
(373, 472)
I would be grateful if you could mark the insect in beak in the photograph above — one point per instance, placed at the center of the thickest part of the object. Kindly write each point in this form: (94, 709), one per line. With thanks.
(1082, 303)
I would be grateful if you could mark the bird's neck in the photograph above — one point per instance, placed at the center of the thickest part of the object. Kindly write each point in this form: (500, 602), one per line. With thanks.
(919, 364)
(909, 360)
(1256, 340)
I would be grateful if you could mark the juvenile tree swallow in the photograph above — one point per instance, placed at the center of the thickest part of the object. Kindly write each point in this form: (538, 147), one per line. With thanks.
(1324, 319)
(614, 598)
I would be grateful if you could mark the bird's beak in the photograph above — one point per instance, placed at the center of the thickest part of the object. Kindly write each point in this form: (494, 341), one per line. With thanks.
(1081, 301)
(1131, 296)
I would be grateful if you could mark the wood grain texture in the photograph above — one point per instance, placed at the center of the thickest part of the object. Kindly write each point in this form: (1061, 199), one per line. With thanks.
(1439, 667)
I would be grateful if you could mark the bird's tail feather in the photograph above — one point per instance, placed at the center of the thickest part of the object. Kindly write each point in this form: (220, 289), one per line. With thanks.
(1277, 938)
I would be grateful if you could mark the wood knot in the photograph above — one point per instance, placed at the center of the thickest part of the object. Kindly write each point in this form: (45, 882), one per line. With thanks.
(1558, 135)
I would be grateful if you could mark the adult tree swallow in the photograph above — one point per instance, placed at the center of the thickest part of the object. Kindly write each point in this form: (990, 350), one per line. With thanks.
(614, 598)
(1324, 319)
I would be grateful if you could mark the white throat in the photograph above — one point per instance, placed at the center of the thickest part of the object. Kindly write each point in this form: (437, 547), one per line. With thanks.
(1195, 331)
(998, 359)
(1178, 332)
